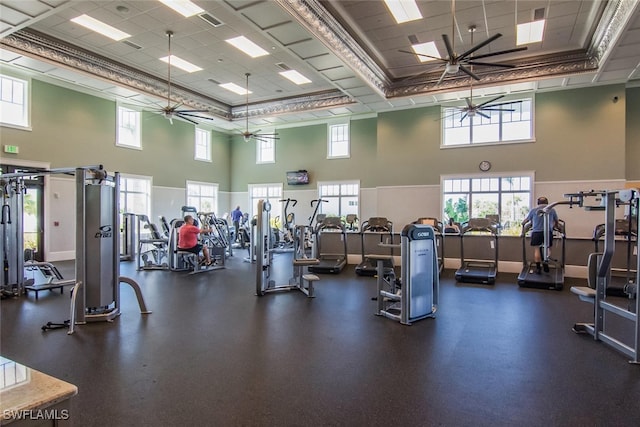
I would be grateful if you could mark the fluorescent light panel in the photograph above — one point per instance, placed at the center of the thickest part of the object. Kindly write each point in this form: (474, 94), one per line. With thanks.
(181, 63)
(235, 88)
(295, 77)
(247, 46)
(100, 27)
(403, 10)
(428, 48)
(530, 32)
(183, 7)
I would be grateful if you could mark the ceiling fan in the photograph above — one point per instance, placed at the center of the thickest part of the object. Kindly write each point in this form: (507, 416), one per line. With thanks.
(248, 136)
(455, 63)
(471, 109)
(170, 112)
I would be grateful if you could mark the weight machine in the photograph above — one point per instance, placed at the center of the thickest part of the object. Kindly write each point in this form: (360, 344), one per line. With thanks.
(264, 258)
(153, 247)
(600, 276)
(96, 291)
(416, 295)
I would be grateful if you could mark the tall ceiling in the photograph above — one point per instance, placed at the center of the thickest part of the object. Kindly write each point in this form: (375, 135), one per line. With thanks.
(350, 50)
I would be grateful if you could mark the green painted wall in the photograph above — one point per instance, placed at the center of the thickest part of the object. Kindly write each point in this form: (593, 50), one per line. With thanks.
(583, 128)
(305, 147)
(71, 129)
(633, 134)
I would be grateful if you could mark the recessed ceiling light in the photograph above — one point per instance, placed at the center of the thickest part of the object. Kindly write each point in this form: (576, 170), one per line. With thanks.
(100, 27)
(183, 7)
(235, 88)
(530, 32)
(181, 63)
(247, 46)
(295, 77)
(429, 49)
(403, 10)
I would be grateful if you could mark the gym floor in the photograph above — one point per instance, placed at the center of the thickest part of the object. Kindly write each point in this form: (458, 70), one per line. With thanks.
(213, 353)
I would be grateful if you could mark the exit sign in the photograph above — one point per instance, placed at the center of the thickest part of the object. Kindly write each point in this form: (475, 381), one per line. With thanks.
(13, 149)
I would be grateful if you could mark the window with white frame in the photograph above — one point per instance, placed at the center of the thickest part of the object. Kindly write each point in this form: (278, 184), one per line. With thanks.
(510, 121)
(265, 150)
(129, 125)
(203, 145)
(14, 101)
(135, 194)
(342, 198)
(203, 196)
(338, 141)
(506, 198)
(270, 192)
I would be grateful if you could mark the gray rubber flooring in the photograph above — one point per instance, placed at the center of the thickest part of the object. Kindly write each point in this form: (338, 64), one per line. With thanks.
(212, 353)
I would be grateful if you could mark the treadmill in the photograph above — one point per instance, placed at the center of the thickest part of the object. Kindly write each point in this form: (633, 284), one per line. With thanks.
(378, 224)
(479, 270)
(620, 278)
(554, 279)
(438, 228)
(332, 263)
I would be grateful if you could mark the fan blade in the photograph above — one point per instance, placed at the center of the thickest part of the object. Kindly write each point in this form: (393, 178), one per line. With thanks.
(197, 116)
(502, 52)
(463, 117)
(469, 104)
(444, 73)
(504, 103)
(490, 101)
(415, 76)
(487, 64)
(194, 111)
(170, 120)
(447, 116)
(422, 54)
(497, 109)
(482, 114)
(447, 44)
(186, 118)
(468, 71)
(269, 136)
(479, 46)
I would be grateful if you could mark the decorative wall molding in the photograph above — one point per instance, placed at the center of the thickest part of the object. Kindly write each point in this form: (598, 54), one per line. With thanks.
(319, 22)
(38, 46)
(317, 101)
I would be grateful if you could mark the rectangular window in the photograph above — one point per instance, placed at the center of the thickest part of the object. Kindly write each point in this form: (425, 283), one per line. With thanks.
(128, 133)
(203, 145)
(135, 194)
(338, 141)
(14, 102)
(343, 198)
(265, 151)
(504, 197)
(203, 196)
(508, 121)
(270, 192)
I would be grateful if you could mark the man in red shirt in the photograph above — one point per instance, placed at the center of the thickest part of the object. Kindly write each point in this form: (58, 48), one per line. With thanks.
(188, 239)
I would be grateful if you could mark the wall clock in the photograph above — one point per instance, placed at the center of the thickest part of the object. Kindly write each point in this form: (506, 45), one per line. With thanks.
(484, 165)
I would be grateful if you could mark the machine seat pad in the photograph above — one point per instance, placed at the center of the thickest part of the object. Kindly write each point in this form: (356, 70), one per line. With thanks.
(310, 277)
(306, 261)
(583, 291)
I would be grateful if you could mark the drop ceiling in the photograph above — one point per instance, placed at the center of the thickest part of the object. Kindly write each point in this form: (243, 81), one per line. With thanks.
(350, 50)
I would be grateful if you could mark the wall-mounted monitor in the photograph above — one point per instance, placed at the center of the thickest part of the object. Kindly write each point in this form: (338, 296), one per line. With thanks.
(300, 177)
